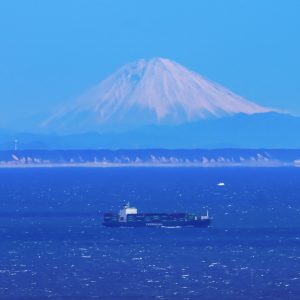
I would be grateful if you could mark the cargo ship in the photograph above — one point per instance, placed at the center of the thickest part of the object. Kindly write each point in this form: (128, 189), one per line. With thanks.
(128, 216)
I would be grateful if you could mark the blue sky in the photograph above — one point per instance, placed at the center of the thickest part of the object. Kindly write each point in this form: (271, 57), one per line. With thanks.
(51, 51)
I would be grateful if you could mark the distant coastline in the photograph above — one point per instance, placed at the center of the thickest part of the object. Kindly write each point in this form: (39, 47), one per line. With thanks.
(163, 158)
(146, 165)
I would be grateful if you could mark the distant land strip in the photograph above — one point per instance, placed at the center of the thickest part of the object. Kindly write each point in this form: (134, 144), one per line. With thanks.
(200, 158)
(145, 165)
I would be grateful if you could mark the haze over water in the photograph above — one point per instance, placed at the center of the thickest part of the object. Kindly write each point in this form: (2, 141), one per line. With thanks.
(54, 246)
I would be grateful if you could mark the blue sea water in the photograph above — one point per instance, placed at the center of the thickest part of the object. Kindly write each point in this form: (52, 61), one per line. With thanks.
(53, 246)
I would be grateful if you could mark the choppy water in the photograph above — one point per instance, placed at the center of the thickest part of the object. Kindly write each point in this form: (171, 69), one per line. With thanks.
(53, 245)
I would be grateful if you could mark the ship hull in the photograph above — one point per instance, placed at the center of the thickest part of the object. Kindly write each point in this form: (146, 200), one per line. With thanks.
(155, 220)
(202, 223)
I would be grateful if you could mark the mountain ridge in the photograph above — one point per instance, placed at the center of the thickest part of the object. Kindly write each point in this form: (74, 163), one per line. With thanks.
(269, 130)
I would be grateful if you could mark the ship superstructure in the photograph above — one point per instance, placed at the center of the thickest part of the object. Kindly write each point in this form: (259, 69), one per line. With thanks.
(128, 216)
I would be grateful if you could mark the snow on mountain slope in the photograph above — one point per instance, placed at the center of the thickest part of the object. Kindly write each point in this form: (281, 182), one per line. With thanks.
(155, 91)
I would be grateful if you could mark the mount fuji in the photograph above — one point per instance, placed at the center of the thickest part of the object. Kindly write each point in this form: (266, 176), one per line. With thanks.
(149, 92)
(158, 103)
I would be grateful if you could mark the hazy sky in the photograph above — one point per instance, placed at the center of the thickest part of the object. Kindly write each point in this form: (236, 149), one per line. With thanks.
(51, 51)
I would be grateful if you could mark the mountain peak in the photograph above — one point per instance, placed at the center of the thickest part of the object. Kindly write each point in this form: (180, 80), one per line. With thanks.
(152, 91)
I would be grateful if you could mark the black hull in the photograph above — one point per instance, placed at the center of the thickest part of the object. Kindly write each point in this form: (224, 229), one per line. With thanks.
(200, 223)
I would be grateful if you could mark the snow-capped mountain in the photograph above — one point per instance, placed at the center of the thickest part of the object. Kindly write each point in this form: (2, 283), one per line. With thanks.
(147, 92)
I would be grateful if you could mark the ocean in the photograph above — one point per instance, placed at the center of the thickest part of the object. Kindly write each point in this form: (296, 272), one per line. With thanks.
(53, 245)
